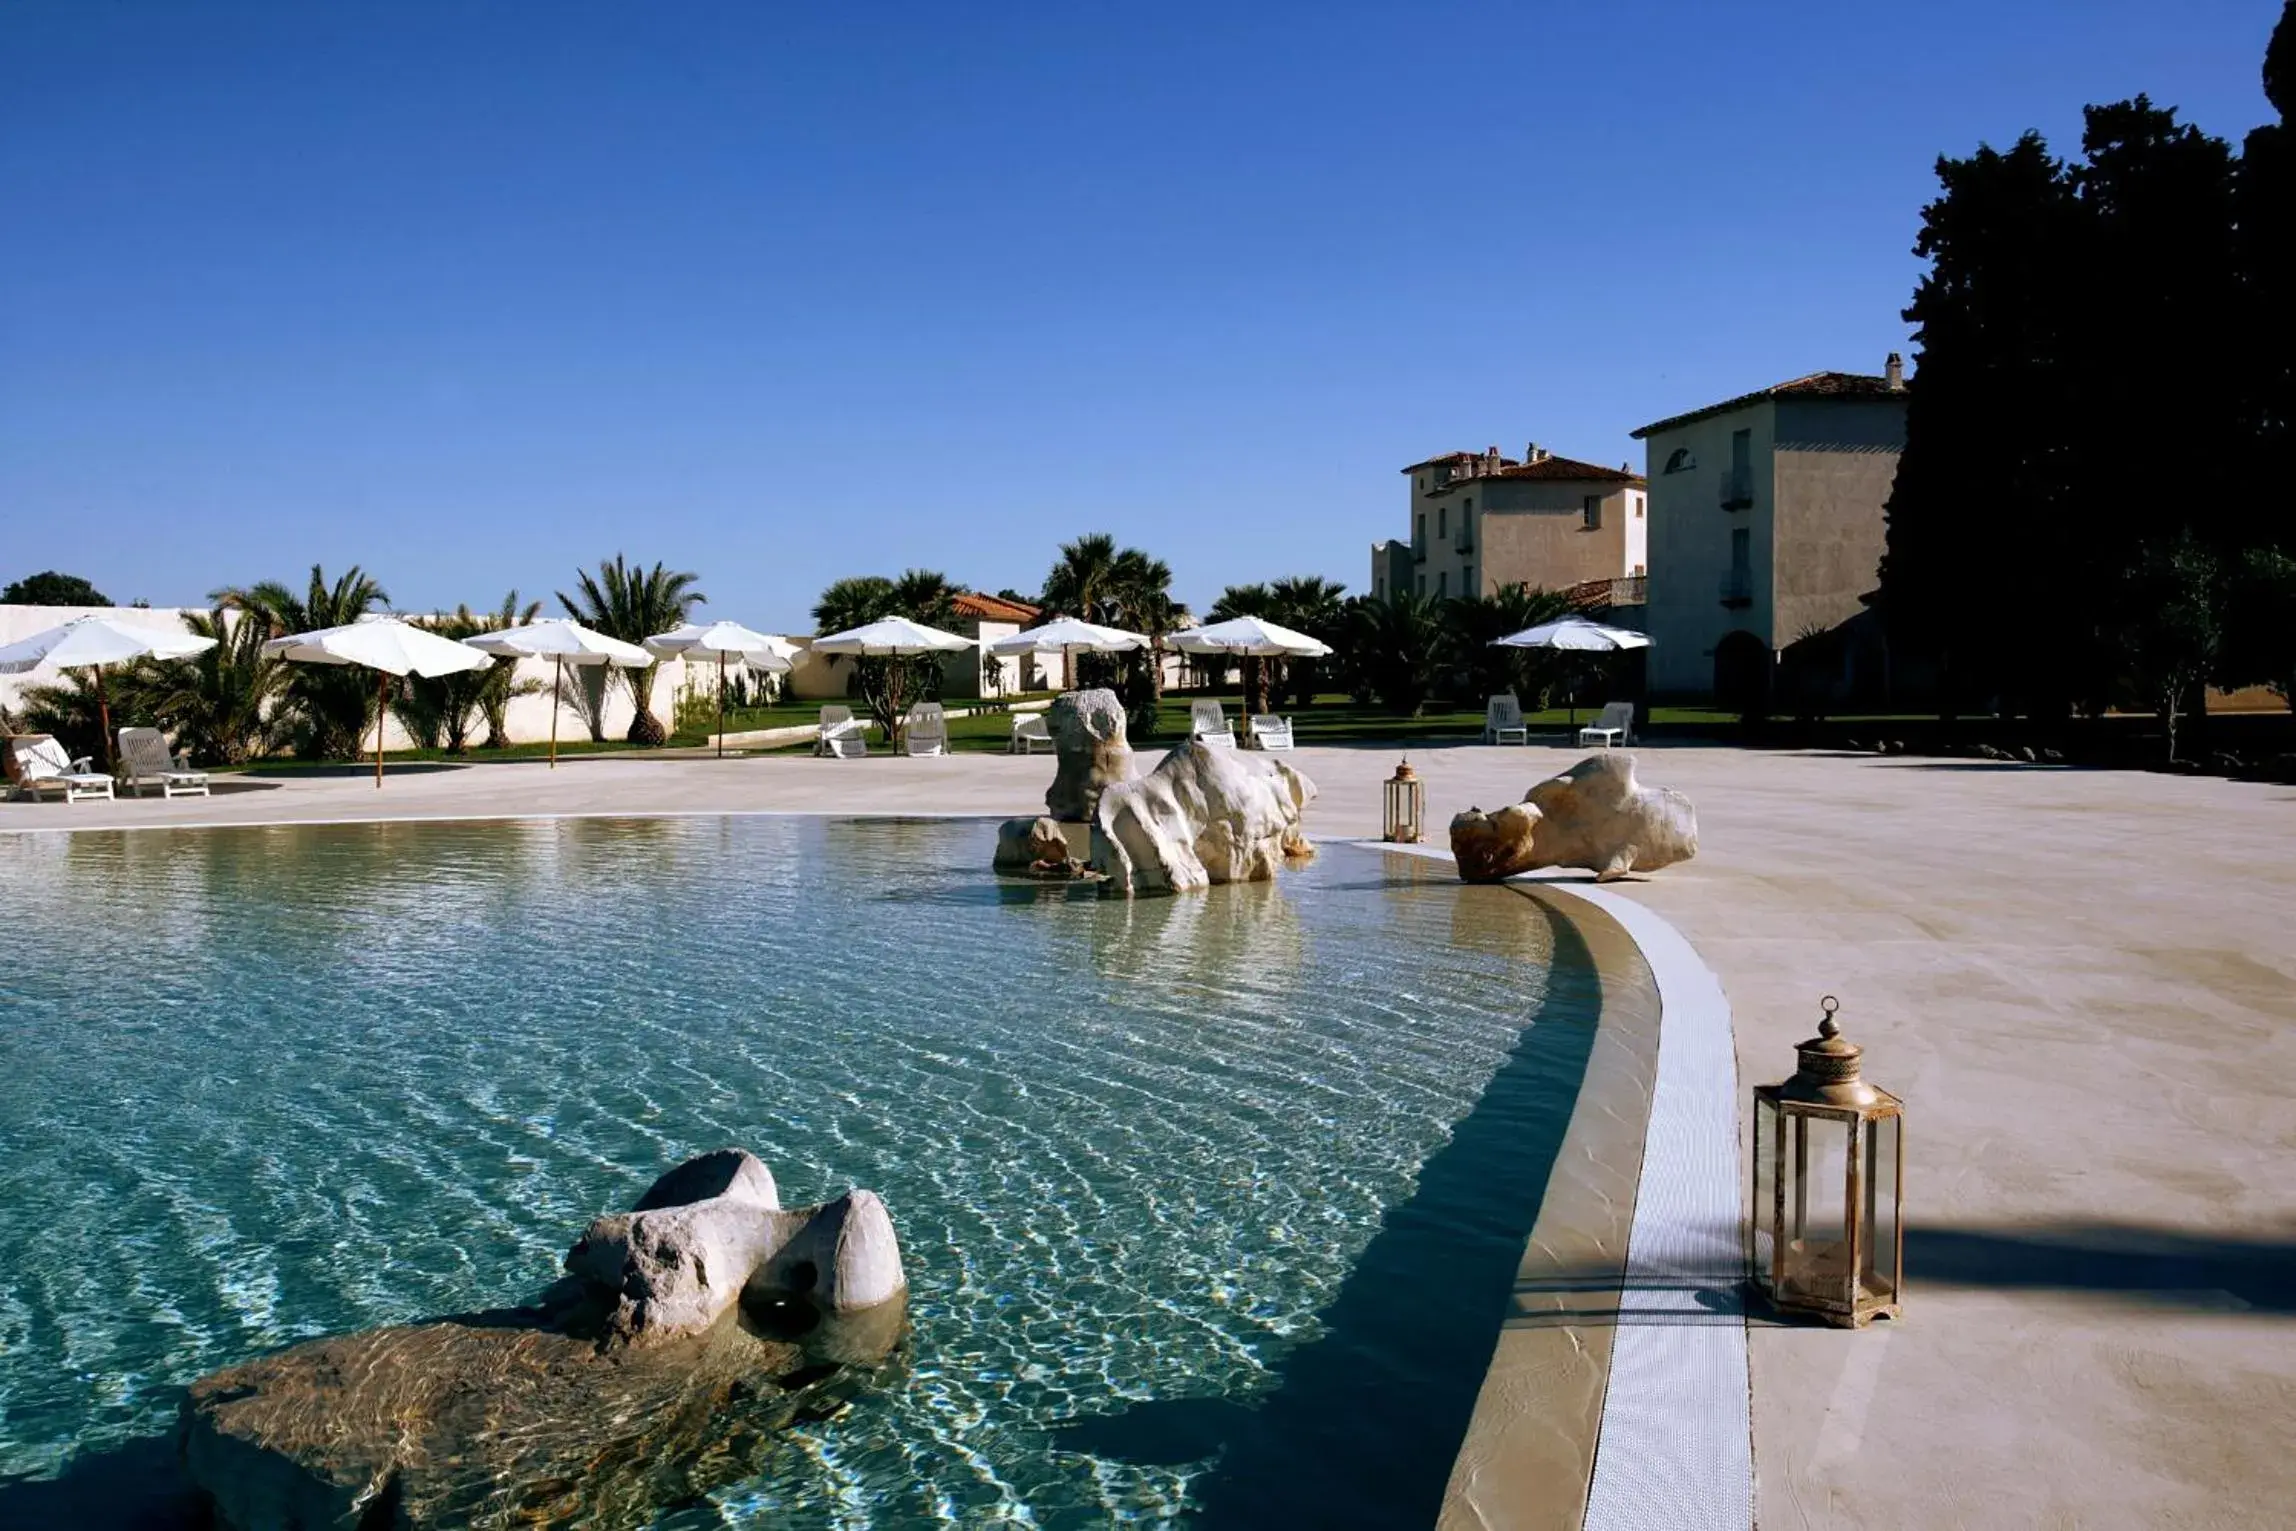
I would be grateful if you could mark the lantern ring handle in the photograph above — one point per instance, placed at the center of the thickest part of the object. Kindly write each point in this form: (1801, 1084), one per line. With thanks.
(1828, 1027)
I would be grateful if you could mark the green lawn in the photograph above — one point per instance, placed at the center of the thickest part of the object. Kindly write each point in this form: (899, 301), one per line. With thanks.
(1334, 719)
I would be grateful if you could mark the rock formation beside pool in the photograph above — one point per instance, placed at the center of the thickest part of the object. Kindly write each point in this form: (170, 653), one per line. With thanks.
(1092, 753)
(686, 1333)
(1593, 815)
(1204, 815)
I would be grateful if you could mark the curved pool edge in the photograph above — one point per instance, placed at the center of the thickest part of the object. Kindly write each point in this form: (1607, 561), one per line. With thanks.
(1674, 1447)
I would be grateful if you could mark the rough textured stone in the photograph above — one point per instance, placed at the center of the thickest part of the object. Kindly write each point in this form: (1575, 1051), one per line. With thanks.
(686, 1333)
(1593, 815)
(1204, 815)
(1092, 752)
(1024, 843)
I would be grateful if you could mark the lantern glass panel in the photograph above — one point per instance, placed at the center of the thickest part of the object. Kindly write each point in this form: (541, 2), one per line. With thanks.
(1765, 1251)
(1817, 1203)
(1878, 1277)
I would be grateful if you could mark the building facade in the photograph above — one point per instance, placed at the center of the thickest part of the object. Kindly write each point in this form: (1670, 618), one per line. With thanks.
(1480, 521)
(1766, 530)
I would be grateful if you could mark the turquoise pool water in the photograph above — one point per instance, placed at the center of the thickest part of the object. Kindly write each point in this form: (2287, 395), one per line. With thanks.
(260, 1084)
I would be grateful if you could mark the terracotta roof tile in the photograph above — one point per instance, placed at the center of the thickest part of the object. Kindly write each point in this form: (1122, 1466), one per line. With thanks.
(1434, 462)
(1818, 385)
(990, 608)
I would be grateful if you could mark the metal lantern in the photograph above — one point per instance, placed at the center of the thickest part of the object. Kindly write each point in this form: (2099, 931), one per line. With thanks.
(1829, 1186)
(1405, 821)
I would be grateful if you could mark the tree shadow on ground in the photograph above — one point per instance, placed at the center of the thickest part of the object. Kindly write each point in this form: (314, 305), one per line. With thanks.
(1365, 1420)
(2151, 1267)
(139, 1486)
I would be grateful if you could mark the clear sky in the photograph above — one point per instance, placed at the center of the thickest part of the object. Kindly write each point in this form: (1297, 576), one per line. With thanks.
(473, 293)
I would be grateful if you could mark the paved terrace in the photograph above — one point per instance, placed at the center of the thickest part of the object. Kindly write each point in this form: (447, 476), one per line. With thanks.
(2083, 984)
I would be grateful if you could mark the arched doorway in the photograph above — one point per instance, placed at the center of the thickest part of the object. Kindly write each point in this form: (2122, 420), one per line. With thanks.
(1742, 665)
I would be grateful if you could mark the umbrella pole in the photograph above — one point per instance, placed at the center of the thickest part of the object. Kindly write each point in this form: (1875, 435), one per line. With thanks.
(104, 720)
(721, 704)
(557, 685)
(382, 709)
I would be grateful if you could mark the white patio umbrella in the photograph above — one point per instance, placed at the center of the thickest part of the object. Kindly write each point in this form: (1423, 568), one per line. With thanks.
(892, 638)
(387, 645)
(1249, 638)
(1065, 635)
(723, 641)
(562, 641)
(90, 643)
(1581, 635)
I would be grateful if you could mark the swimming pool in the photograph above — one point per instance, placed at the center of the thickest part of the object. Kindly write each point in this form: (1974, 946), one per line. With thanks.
(1208, 1204)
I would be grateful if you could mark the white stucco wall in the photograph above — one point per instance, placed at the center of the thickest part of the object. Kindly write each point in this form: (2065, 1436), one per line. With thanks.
(1689, 546)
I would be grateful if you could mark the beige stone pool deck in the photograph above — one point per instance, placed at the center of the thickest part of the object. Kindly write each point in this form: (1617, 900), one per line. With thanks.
(2082, 983)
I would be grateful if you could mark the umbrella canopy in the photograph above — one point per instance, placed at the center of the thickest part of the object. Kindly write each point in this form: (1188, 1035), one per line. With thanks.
(85, 642)
(1576, 633)
(1252, 637)
(563, 640)
(725, 642)
(1066, 633)
(90, 643)
(389, 644)
(891, 638)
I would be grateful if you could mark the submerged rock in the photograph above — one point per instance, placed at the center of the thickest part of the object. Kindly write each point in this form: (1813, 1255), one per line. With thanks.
(687, 1332)
(1593, 815)
(1204, 815)
(1092, 753)
(1026, 844)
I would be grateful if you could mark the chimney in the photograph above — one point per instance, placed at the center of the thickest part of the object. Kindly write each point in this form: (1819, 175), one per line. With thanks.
(1894, 371)
(1535, 453)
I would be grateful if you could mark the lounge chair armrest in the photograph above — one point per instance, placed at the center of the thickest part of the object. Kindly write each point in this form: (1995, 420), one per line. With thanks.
(85, 764)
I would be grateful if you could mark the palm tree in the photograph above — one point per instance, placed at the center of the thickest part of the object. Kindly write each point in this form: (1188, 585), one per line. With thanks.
(1474, 622)
(1140, 590)
(1310, 604)
(632, 603)
(887, 686)
(325, 708)
(1082, 584)
(70, 708)
(441, 711)
(1398, 644)
(1247, 601)
(220, 703)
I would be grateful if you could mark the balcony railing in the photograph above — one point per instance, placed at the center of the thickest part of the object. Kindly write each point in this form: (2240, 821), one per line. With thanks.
(1737, 488)
(1465, 544)
(1738, 588)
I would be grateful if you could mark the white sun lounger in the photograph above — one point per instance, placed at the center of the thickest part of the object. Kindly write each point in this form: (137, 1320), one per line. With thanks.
(1269, 732)
(1613, 726)
(1503, 720)
(925, 731)
(1207, 722)
(1030, 729)
(146, 763)
(43, 767)
(842, 736)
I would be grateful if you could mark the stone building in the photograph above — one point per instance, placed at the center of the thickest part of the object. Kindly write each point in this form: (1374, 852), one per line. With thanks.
(1766, 530)
(1479, 521)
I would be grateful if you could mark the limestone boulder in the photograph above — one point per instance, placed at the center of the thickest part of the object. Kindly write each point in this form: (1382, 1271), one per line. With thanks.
(1594, 815)
(1091, 752)
(1205, 815)
(687, 1333)
(1023, 844)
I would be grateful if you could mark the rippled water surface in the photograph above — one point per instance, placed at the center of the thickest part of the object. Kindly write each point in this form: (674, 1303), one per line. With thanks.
(260, 1084)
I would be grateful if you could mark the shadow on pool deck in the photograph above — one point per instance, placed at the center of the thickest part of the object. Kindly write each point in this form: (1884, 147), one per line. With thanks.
(1365, 1421)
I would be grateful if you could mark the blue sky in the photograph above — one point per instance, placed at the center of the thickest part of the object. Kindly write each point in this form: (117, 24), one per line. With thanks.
(474, 293)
